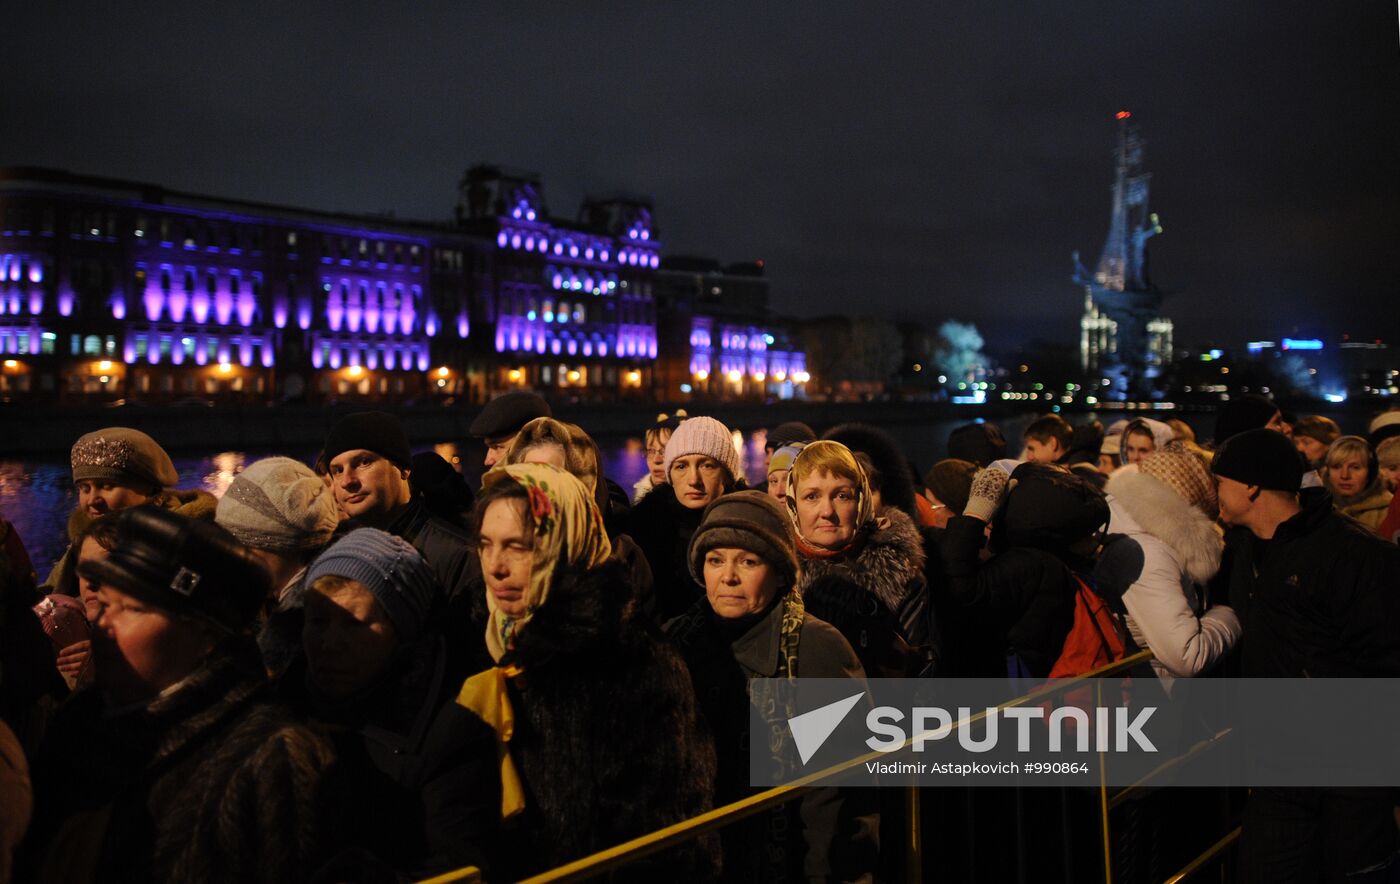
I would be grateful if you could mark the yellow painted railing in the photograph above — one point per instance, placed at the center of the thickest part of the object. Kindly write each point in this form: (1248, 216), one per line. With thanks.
(623, 854)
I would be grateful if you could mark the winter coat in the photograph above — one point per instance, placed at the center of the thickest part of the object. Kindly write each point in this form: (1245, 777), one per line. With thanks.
(63, 579)
(16, 798)
(17, 557)
(641, 488)
(882, 583)
(1019, 603)
(662, 527)
(606, 734)
(1162, 549)
(206, 782)
(452, 557)
(1319, 599)
(1369, 507)
(831, 834)
(427, 788)
(1390, 525)
(446, 548)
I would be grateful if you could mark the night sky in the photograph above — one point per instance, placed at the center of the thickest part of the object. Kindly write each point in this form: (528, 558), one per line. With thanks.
(932, 162)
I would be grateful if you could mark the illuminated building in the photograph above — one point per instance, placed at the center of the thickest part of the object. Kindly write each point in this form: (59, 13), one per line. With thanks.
(115, 289)
(719, 338)
(570, 305)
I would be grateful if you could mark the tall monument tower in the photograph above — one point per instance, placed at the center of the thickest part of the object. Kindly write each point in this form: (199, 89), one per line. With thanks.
(1121, 334)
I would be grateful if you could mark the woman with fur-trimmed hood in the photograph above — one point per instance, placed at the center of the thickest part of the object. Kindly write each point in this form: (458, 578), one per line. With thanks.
(862, 571)
(114, 469)
(1164, 547)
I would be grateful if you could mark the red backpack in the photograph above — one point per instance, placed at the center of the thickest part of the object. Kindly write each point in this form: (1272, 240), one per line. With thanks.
(1097, 637)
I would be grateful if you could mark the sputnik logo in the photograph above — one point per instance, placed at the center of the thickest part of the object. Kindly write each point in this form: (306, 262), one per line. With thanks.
(811, 729)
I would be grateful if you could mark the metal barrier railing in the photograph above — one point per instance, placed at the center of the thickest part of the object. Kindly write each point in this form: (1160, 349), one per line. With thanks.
(623, 854)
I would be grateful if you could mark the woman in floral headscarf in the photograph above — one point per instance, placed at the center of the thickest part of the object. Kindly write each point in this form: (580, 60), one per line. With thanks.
(594, 714)
(862, 570)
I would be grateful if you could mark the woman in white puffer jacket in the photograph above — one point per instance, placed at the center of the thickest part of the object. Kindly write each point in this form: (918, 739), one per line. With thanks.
(1163, 511)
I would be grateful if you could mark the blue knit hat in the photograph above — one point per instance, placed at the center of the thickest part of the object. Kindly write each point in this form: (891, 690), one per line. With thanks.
(390, 568)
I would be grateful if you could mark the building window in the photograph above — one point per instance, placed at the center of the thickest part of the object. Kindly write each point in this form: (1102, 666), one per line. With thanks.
(92, 346)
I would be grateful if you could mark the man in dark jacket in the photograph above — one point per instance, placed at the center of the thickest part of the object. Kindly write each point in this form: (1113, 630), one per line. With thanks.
(174, 767)
(368, 460)
(1316, 595)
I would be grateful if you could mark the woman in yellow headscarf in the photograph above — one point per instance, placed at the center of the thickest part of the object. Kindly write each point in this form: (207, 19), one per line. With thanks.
(595, 715)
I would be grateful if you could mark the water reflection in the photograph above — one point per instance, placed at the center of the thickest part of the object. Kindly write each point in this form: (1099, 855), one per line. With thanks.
(226, 465)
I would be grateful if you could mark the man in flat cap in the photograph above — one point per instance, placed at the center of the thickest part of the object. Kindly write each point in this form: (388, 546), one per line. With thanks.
(1316, 596)
(502, 418)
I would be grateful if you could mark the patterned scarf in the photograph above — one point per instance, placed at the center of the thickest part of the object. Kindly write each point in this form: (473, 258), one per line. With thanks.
(847, 467)
(568, 531)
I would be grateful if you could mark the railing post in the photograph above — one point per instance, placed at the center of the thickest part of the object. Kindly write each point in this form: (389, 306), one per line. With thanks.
(1103, 795)
(914, 849)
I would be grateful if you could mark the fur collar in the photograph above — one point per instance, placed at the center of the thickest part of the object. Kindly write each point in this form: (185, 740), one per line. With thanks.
(588, 615)
(192, 504)
(1167, 516)
(890, 560)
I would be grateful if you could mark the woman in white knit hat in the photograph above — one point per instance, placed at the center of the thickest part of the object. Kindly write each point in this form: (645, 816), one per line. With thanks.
(701, 464)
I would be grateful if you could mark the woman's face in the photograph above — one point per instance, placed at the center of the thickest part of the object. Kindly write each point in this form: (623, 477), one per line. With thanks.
(697, 480)
(827, 506)
(348, 638)
(656, 458)
(98, 497)
(90, 551)
(1347, 476)
(507, 551)
(777, 485)
(1140, 444)
(140, 650)
(1311, 449)
(738, 582)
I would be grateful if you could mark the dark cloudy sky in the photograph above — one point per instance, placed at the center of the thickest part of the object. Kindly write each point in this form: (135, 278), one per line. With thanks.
(937, 160)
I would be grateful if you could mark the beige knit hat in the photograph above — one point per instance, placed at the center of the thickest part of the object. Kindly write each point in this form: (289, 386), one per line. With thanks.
(707, 436)
(1183, 472)
(278, 504)
(123, 454)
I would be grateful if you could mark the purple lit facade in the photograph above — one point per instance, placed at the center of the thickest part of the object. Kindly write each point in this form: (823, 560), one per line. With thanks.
(114, 289)
(570, 304)
(127, 290)
(718, 336)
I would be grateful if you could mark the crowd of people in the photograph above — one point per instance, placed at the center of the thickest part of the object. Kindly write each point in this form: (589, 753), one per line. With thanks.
(363, 669)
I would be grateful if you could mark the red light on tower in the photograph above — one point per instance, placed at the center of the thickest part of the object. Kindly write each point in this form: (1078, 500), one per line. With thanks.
(1122, 115)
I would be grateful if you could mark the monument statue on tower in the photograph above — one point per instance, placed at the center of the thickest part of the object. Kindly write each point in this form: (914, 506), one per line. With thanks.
(1121, 334)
